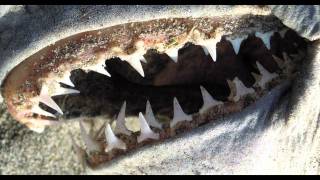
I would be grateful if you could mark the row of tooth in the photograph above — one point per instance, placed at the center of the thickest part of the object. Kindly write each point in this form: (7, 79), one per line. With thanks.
(146, 121)
(209, 47)
(238, 89)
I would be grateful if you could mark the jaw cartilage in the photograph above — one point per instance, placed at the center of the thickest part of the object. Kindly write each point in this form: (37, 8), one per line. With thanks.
(139, 77)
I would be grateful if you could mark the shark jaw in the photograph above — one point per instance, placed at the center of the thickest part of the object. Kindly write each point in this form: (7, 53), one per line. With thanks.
(174, 74)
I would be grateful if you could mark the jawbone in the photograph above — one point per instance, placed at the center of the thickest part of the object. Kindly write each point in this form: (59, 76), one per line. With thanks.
(275, 135)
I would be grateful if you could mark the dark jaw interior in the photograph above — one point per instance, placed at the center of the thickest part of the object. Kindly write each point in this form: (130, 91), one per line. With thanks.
(164, 79)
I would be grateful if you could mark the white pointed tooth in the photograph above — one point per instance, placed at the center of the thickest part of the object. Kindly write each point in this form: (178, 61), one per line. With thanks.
(173, 54)
(178, 114)
(151, 118)
(112, 141)
(100, 69)
(134, 61)
(208, 100)
(46, 99)
(239, 89)
(120, 122)
(265, 37)
(64, 91)
(210, 47)
(91, 144)
(236, 43)
(145, 131)
(66, 80)
(266, 76)
(36, 109)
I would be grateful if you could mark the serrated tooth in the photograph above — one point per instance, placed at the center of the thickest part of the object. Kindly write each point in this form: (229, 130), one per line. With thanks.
(112, 141)
(89, 142)
(266, 75)
(173, 54)
(36, 109)
(208, 100)
(210, 47)
(100, 69)
(178, 114)
(120, 122)
(265, 37)
(66, 80)
(145, 131)
(151, 118)
(46, 99)
(236, 43)
(134, 61)
(238, 89)
(64, 91)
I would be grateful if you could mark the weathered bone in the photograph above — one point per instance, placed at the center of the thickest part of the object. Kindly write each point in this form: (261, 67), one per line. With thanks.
(46, 99)
(91, 144)
(112, 141)
(178, 114)
(266, 75)
(265, 37)
(151, 118)
(145, 131)
(208, 100)
(120, 122)
(238, 89)
(236, 43)
(36, 109)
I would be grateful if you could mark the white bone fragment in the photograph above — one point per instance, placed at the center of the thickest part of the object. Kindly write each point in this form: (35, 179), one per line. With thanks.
(145, 131)
(45, 98)
(178, 114)
(91, 144)
(120, 122)
(266, 76)
(208, 100)
(265, 37)
(112, 141)
(151, 118)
